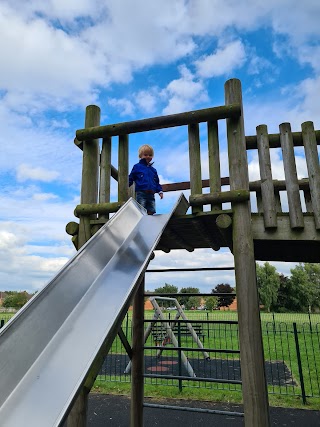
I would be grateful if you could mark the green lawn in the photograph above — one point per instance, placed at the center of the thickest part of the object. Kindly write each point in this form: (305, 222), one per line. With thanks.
(279, 346)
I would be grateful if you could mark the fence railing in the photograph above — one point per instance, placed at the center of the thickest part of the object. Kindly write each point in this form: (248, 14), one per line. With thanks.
(291, 349)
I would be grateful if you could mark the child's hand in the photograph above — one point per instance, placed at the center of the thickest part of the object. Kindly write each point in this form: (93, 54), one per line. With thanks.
(161, 195)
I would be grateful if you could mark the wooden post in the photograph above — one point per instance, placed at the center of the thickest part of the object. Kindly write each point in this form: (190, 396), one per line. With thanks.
(311, 151)
(123, 168)
(137, 371)
(267, 190)
(255, 397)
(290, 172)
(195, 163)
(89, 194)
(214, 161)
(105, 174)
(90, 173)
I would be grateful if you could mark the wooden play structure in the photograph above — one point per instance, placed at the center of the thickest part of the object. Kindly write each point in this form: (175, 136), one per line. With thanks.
(269, 220)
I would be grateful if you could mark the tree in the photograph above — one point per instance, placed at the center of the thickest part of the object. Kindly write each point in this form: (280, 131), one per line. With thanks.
(166, 289)
(305, 279)
(268, 283)
(313, 272)
(186, 300)
(284, 298)
(15, 300)
(224, 300)
(212, 303)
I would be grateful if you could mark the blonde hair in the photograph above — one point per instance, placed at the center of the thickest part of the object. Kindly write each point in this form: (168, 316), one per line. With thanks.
(145, 149)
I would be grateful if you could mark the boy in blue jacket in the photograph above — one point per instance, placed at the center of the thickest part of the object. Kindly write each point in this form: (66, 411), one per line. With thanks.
(145, 176)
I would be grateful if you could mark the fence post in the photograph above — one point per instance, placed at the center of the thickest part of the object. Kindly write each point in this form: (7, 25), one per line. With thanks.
(296, 340)
(179, 356)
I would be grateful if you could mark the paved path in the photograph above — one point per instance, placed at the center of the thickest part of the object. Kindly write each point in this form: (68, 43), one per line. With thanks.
(111, 410)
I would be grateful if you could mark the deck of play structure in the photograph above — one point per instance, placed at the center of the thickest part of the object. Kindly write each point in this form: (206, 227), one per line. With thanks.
(268, 220)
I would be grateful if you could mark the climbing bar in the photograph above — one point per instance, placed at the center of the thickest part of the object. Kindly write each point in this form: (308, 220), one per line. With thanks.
(160, 122)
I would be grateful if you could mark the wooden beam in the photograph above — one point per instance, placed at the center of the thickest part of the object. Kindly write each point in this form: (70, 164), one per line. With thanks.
(224, 224)
(219, 197)
(161, 122)
(274, 140)
(97, 208)
(72, 228)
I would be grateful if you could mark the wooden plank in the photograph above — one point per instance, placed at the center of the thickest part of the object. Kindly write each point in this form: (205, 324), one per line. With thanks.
(310, 147)
(267, 189)
(123, 168)
(214, 161)
(290, 171)
(161, 122)
(255, 396)
(195, 163)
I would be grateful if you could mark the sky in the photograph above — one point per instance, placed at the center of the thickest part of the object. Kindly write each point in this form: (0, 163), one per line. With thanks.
(136, 60)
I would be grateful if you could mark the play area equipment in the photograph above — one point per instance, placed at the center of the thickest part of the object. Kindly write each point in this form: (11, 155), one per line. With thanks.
(169, 335)
(52, 350)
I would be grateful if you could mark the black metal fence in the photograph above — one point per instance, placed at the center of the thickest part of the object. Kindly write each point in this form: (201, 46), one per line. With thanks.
(292, 355)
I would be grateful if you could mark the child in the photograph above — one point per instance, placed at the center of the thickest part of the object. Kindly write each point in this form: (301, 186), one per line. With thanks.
(146, 179)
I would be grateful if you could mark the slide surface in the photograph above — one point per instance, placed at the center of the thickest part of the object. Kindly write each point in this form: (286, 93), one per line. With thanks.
(48, 347)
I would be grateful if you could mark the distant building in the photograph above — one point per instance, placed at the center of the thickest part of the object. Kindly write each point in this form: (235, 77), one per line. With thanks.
(231, 307)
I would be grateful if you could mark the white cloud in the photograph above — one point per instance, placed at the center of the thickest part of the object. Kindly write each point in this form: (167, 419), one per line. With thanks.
(146, 100)
(124, 106)
(184, 93)
(223, 61)
(44, 196)
(26, 172)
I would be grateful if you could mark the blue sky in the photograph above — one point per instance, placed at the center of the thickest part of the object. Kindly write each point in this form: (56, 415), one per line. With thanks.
(135, 60)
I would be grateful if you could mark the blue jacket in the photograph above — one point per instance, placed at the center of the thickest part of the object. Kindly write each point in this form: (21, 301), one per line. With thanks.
(145, 177)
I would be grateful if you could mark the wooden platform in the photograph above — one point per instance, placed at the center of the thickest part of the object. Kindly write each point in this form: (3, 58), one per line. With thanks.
(280, 244)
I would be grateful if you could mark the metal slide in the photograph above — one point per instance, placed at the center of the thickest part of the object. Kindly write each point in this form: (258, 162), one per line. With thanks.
(49, 346)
